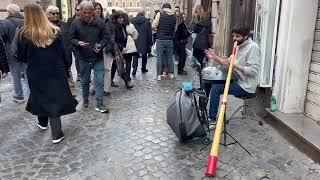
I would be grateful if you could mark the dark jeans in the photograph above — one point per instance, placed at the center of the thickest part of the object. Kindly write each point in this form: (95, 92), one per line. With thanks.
(98, 70)
(55, 123)
(217, 90)
(163, 45)
(144, 62)
(181, 53)
(113, 69)
(128, 59)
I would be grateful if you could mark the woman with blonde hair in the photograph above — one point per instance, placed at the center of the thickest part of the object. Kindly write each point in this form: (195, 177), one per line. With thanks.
(40, 45)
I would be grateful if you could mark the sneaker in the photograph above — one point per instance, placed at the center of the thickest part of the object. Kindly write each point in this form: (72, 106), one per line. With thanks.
(134, 72)
(212, 124)
(172, 76)
(102, 109)
(86, 103)
(159, 77)
(18, 99)
(42, 127)
(55, 141)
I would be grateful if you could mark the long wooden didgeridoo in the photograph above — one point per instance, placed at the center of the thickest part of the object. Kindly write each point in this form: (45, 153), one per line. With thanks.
(213, 159)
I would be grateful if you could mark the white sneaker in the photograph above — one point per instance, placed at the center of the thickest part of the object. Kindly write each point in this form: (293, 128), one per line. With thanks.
(159, 77)
(55, 141)
(42, 127)
(172, 76)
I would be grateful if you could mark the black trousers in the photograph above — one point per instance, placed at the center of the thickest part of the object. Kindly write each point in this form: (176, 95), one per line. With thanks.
(181, 54)
(128, 59)
(55, 123)
(113, 69)
(136, 62)
(76, 59)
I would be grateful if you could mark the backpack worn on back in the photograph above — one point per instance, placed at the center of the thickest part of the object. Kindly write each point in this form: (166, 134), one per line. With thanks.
(13, 44)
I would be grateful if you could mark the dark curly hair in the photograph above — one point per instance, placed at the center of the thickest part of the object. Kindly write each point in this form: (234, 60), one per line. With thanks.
(122, 14)
(241, 29)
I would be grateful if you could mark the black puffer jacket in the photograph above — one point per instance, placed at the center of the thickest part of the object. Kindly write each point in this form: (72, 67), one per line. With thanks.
(203, 30)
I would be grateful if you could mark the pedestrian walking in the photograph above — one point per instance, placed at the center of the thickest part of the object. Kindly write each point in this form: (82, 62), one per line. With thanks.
(131, 48)
(165, 23)
(75, 49)
(40, 45)
(53, 14)
(107, 52)
(144, 41)
(8, 29)
(181, 39)
(88, 34)
(120, 35)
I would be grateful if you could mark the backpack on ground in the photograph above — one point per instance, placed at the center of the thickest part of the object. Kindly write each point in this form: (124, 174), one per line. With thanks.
(182, 116)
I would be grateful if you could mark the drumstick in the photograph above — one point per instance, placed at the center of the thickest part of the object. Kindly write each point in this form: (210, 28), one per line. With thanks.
(213, 159)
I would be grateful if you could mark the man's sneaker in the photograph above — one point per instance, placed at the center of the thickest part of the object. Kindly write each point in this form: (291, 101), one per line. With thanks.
(18, 99)
(102, 109)
(212, 124)
(42, 127)
(171, 76)
(86, 103)
(159, 77)
(144, 71)
(55, 141)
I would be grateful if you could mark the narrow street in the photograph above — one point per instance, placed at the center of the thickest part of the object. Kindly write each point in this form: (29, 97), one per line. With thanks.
(135, 142)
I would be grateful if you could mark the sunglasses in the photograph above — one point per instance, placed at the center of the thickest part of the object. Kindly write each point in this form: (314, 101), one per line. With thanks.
(55, 13)
(78, 9)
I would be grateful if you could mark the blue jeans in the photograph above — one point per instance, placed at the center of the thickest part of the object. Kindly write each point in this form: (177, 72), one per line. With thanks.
(216, 91)
(98, 70)
(16, 70)
(161, 46)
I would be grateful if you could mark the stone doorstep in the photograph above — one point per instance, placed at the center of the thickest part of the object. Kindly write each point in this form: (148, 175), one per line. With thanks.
(306, 128)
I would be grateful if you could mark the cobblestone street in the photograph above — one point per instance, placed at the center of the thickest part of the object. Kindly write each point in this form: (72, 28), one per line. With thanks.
(135, 142)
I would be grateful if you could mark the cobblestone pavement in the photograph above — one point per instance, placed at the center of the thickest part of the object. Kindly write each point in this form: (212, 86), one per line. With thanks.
(135, 142)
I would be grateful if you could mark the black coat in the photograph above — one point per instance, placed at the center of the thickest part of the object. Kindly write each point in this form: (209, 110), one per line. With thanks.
(92, 32)
(144, 41)
(120, 36)
(47, 73)
(203, 30)
(182, 34)
(4, 68)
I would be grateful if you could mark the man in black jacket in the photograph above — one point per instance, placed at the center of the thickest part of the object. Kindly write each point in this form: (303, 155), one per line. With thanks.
(144, 41)
(8, 28)
(4, 68)
(165, 24)
(88, 33)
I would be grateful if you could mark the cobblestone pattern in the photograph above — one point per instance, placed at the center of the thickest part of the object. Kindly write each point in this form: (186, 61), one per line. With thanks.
(135, 142)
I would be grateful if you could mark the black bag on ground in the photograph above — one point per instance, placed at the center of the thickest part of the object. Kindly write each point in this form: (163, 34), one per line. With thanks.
(182, 116)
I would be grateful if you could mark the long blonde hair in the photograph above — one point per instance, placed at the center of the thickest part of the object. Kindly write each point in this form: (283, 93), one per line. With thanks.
(37, 27)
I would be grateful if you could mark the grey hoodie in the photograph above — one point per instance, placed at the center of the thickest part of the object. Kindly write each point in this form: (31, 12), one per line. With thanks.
(249, 56)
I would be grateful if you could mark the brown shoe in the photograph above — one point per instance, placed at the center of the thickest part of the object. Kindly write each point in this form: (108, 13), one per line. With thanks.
(106, 93)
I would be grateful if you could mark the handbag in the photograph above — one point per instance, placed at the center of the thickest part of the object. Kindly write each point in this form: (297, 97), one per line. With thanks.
(131, 45)
(120, 61)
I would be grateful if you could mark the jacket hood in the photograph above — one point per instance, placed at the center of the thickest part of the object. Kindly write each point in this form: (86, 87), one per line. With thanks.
(17, 16)
(168, 11)
(139, 20)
